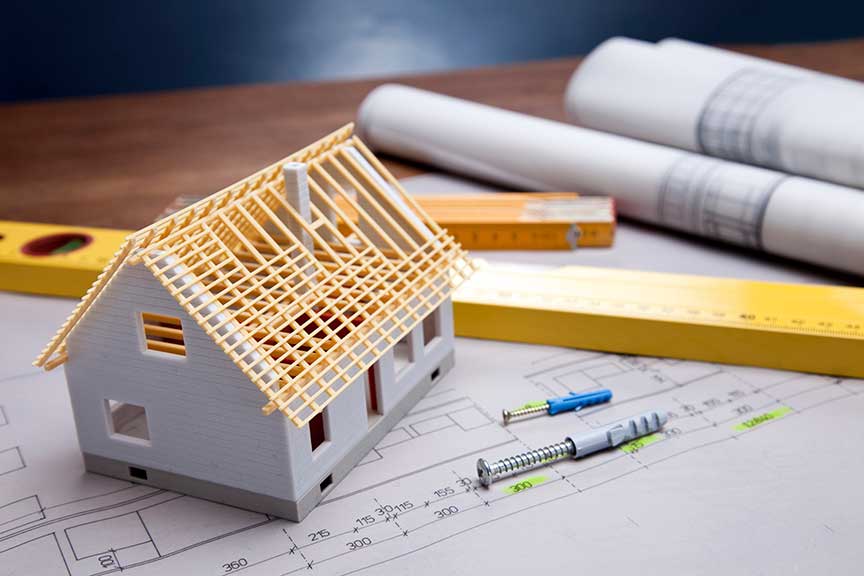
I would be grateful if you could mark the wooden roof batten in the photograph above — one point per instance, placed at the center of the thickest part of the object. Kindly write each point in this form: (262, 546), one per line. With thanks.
(302, 297)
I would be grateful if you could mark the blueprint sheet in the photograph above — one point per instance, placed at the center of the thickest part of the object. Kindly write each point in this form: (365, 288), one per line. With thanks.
(757, 472)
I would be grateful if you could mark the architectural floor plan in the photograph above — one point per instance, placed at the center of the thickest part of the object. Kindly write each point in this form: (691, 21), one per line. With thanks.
(755, 468)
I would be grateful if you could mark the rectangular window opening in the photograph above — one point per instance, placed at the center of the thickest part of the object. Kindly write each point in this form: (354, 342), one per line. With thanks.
(317, 431)
(402, 355)
(435, 374)
(431, 329)
(326, 483)
(139, 473)
(127, 421)
(373, 405)
(163, 334)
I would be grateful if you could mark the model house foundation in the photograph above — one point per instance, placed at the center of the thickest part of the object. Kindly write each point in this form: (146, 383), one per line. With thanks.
(251, 348)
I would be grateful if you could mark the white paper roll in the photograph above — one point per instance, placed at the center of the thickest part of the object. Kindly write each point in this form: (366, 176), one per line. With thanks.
(709, 56)
(723, 104)
(740, 204)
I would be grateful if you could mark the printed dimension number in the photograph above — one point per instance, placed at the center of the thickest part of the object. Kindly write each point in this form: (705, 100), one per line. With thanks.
(235, 565)
(384, 512)
(357, 544)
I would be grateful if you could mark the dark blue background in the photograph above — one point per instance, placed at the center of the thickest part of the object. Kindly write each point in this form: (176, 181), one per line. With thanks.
(56, 49)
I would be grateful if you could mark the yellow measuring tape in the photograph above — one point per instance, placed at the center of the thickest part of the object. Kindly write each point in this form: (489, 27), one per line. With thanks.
(786, 326)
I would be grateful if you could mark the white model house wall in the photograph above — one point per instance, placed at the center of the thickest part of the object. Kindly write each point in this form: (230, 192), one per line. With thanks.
(423, 359)
(204, 416)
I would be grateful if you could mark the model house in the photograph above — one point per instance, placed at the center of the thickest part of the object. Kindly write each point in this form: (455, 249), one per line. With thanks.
(251, 348)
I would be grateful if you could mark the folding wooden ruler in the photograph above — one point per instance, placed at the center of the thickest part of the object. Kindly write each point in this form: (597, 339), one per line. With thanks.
(510, 220)
(524, 221)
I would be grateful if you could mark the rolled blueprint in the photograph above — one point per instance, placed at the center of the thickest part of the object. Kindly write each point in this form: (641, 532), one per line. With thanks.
(791, 216)
(723, 104)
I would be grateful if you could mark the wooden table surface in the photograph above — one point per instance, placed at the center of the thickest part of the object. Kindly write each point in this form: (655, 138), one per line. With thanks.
(118, 161)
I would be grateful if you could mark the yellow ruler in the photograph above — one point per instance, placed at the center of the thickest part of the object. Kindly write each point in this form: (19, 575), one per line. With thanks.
(786, 326)
(53, 259)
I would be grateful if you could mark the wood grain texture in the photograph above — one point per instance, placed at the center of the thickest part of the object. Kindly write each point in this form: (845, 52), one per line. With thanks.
(118, 161)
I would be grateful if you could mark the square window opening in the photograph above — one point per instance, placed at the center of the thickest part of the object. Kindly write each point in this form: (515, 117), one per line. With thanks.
(317, 431)
(163, 334)
(431, 329)
(402, 355)
(127, 421)
(326, 483)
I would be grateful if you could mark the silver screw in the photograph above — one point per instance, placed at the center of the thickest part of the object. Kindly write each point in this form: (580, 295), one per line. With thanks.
(488, 473)
(508, 415)
(576, 447)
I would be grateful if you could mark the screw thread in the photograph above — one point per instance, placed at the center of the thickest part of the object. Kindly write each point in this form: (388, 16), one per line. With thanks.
(489, 472)
(520, 412)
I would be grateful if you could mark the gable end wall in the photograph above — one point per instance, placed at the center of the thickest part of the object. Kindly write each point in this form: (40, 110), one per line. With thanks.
(204, 415)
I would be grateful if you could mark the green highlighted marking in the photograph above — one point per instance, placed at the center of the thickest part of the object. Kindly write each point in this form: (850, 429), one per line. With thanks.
(640, 443)
(525, 484)
(762, 418)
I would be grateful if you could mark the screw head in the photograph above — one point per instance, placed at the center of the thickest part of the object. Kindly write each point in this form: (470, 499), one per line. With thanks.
(484, 472)
(506, 416)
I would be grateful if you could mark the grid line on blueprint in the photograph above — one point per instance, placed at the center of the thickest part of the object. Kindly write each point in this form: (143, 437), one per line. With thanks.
(727, 124)
(711, 198)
